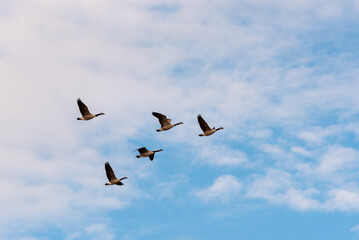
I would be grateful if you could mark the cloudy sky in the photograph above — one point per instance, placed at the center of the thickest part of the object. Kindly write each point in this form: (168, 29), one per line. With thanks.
(281, 77)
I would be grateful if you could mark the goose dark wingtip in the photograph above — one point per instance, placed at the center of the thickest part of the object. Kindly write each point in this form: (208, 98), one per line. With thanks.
(157, 114)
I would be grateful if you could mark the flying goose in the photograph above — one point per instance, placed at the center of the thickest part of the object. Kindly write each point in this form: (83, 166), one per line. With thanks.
(86, 115)
(164, 121)
(207, 131)
(112, 180)
(146, 153)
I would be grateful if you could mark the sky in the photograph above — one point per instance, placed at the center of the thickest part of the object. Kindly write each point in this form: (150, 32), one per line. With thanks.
(280, 76)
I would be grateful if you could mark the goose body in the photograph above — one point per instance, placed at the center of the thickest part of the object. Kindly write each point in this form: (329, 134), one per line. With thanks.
(207, 131)
(164, 121)
(146, 153)
(112, 180)
(86, 115)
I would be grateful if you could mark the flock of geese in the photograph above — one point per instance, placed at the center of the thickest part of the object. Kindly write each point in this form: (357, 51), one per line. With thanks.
(143, 151)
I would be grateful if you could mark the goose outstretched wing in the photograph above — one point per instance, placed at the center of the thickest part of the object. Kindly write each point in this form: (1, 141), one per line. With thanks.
(109, 172)
(142, 150)
(204, 126)
(161, 118)
(83, 108)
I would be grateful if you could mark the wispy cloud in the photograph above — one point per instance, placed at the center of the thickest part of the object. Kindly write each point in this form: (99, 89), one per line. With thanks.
(94, 231)
(344, 198)
(338, 158)
(355, 228)
(279, 76)
(278, 188)
(224, 188)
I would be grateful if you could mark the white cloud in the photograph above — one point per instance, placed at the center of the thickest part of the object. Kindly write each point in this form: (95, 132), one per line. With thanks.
(225, 188)
(338, 158)
(278, 187)
(120, 58)
(264, 187)
(272, 149)
(318, 135)
(93, 231)
(345, 198)
(263, 133)
(221, 155)
(171, 188)
(283, 188)
(301, 151)
(330, 10)
(354, 228)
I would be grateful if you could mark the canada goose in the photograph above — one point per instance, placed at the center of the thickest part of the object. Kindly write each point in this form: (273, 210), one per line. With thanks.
(207, 131)
(146, 153)
(164, 121)
(86, 115)
(112, 180)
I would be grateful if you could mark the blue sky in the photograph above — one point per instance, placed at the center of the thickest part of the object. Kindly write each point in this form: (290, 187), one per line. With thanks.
(279, 76)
